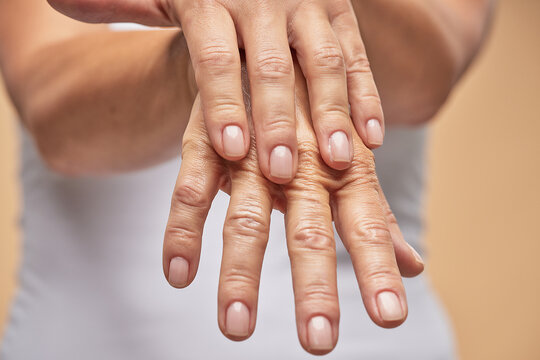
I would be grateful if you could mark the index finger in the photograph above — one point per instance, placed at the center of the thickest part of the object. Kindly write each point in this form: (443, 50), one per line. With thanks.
(211, 38)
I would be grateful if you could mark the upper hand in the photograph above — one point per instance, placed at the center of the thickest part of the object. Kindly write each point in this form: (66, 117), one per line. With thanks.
(330, 51)
(318, 195)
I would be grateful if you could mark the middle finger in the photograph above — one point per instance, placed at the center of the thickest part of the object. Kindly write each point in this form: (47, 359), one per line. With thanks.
(271, 78)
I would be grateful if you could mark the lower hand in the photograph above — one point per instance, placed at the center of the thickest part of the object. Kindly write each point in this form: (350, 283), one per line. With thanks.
(352, 198)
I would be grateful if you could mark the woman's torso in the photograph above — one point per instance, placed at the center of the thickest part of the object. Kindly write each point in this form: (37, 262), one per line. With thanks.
(91, 283)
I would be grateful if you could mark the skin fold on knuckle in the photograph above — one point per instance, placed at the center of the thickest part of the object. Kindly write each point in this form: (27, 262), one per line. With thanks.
(318, 295)
(278, 123)
(328, 113)
(273, 66)
(369, 233)
(310, 238)
(378, 275)
(191, 194)
(328, 59)
(247, 222)
(358, 65)
(239, 281)
(223, 109)
(216, 60)
(179, 237)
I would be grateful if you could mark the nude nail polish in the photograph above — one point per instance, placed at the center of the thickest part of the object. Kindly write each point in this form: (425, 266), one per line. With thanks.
(178, 272)
(237, 320)
(374, 132)
(281, 162)
(320, 334)
(389, 306)
(233, 141)
(340, 150)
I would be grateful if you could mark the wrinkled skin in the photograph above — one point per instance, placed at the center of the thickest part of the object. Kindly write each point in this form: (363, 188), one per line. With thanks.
(352, 198)
(327, 41)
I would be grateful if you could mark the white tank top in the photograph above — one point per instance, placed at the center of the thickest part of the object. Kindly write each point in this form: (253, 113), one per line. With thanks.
(91, 284)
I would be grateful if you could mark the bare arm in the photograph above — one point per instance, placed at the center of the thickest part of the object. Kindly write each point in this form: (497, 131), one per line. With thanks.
(95, 101)
(99, 102)
(419, 49)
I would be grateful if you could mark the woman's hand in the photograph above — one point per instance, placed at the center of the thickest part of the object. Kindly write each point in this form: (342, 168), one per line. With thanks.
(330, 51)
(316, 196)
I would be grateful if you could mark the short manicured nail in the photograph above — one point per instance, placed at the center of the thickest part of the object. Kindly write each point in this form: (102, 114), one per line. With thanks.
(178, 272)
(340, 150)
(281, 162)
(320, 334)
(389, 306)
(416, 254)
(233, 141)
(237, 321)
(374, 132)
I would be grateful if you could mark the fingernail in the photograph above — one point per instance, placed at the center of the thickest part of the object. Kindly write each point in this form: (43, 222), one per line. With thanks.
(416, 254)
(374, 132)
(178, 272)
(320, 334)
(389, 306)
(340, 150)
(233, 141)
(281, 162)
(237, 322)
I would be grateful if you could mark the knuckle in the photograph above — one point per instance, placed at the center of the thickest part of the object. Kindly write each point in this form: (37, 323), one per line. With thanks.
(179, 234)
(223, 107)
(370, 233)
(331, 111)
(278, 121)
(329, 59)
(189, 193)
(313, 237)
(239, 277)
(248, 222)
(363, 164)
(308, 152)
(318, 292)
(372, 98)
(358, 64)
(273, 65)
(216, 58)
(381, 275)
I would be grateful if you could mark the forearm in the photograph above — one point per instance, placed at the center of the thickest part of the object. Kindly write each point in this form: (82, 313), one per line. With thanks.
(107, 102)
(418, 49)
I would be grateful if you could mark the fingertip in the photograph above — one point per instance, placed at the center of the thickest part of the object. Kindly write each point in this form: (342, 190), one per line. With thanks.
(235, 142)
(237, 322)
(391, 308)
(320, 336)
(281, 166)
(340, 150)
(374, 133)
(178, 275)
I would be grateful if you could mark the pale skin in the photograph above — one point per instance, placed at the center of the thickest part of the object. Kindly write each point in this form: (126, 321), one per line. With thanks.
(318, 195)
(331, 52)
(98, 102)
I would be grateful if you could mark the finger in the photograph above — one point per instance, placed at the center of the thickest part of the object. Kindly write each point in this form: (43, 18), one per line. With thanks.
(361, 224)
(409, 261)
(312, 252)
(245, 236)
(211, 38)
(321, 59)
(197, 184)
(271, 77)
(366, 109)
(97, 11)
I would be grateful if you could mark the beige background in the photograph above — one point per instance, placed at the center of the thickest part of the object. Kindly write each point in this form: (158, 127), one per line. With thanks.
(483, 203)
